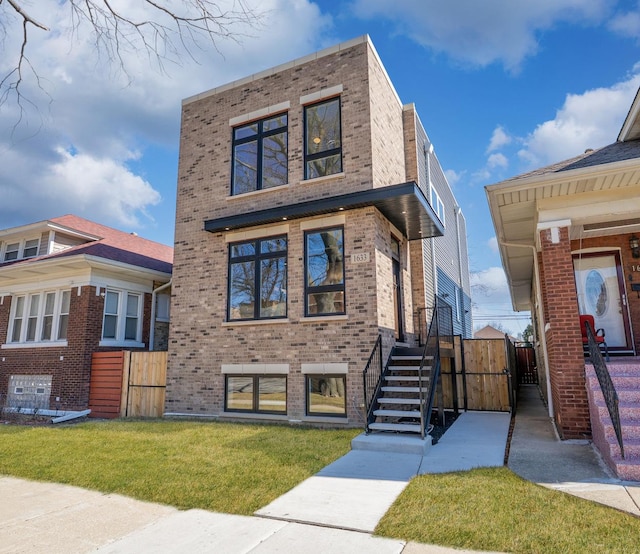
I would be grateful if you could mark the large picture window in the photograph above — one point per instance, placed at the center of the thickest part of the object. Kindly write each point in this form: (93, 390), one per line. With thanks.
(122, 319)
(322, 138)
(256, 393)
(324, 272)
(40, 317)
(260, 155)
(258, 279)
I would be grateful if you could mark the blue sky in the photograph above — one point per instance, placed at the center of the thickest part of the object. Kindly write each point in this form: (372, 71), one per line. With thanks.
(502, 87)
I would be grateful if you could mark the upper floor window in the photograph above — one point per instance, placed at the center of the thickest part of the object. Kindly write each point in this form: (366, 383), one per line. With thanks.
(21, 249)
(260, 155)
(324, 272)
(122, 316)
(436, 203)
(258, 279)
(40, 317)
(322, 138)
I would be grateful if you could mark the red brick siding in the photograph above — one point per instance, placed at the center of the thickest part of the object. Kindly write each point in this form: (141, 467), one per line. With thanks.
(564, 342)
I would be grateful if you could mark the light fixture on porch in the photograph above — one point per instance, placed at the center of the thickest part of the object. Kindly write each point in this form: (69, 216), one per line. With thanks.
(634, 244)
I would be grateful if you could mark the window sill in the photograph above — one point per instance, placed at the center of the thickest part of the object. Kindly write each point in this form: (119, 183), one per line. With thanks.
(318, 318)
(340, 175)
(122, 343)
(256, 192)
(253, 415)
(342, 420)
(245, 322)
(47, 344)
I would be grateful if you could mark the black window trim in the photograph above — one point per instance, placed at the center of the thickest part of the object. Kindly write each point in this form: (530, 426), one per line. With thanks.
(324, 153)
(256, 258)
(259, 138)
(324, 288)
(256, 394)
(308, 411)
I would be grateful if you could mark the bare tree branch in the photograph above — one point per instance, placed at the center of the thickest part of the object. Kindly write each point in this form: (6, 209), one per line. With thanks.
(170, 30)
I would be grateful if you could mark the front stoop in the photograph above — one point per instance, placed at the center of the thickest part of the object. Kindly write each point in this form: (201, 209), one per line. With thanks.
(397, 443)
(626, 379)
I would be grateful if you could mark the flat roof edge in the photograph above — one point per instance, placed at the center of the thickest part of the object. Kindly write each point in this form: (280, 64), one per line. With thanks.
(278, 68)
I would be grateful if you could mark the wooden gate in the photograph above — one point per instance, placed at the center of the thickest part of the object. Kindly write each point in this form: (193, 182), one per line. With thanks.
(105, 389)
(526, 365)
(478, 376)
(144, 384)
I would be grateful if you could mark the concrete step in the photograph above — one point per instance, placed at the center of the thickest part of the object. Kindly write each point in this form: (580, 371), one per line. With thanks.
(628, 411)
(404, 389)
(624, 395)
(393, 442)
(397, 413)
(627, 469)
(408, 427)
(412, 378)
(402, 358)
(630, 429)
(408, 401)
(412, 368)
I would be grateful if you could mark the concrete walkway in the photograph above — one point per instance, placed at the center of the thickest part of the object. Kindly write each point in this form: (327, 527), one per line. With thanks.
(575, 467)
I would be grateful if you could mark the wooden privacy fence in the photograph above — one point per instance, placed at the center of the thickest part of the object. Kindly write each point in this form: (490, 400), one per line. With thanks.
(128, 384)
(478, 376)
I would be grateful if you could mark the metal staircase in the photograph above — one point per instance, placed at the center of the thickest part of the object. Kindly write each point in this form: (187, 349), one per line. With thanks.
(399, 395)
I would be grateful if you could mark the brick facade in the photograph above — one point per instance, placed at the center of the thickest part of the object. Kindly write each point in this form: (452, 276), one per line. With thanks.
(376, 134)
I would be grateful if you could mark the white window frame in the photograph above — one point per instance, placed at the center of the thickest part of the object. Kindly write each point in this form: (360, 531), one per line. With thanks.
(121, 319)
(20, 250)
(38, 319)
(436, 203)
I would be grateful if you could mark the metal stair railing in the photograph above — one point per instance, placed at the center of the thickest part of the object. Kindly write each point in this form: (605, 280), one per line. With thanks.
(606, 384)
(372, 381)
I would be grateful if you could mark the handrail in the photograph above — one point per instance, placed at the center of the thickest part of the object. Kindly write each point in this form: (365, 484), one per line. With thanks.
(372, 380)
(606, 384)
(431, 351)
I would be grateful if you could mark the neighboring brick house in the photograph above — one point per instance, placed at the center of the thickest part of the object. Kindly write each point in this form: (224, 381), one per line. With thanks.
(70, 287)
(307, 199)
(566, 234)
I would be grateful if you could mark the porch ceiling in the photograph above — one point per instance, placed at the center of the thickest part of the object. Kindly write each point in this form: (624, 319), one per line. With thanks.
(404, 205)
(598, 196)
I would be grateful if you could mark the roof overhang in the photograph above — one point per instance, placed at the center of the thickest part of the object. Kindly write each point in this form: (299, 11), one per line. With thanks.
(404, 205)
(631, 127)
(44, 226)
(598, 200)
(34, 271)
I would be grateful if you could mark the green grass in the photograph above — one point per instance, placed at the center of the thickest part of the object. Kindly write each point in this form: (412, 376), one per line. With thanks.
(494, 509)
(224, 467)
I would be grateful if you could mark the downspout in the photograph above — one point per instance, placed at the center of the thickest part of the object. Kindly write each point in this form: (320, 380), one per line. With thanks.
(540, 318)
(434, 272)
(153, 313)
(457, 211)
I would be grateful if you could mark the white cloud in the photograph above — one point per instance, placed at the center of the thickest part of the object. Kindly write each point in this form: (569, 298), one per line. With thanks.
(499, 138)
(497, 160)
(589, 120)
(453, 177)
(492, 243)
(75, 150)
(481, 33)
(626, 24)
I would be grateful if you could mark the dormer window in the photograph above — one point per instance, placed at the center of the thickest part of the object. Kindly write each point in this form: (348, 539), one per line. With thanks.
(22, 249)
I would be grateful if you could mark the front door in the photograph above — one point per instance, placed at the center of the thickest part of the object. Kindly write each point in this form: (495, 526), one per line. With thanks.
(600, 288)
(397, 290)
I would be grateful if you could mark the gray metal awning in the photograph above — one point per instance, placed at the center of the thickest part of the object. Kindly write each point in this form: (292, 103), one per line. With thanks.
(404, 205)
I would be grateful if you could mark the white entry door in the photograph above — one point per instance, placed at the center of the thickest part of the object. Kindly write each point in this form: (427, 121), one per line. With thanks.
(600, 294)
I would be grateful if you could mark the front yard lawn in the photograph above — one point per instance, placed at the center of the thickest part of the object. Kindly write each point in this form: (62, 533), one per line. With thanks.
(223, 467)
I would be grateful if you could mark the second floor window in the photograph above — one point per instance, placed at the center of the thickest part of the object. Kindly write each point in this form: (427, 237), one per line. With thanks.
(324, 272)
(260, 155)
(322, 139)
(20, 250)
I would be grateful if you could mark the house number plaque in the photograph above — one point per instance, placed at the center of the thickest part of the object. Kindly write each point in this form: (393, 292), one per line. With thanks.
(360, 258)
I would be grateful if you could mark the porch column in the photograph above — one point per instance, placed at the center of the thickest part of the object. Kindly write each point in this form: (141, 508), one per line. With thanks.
(562, 332)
